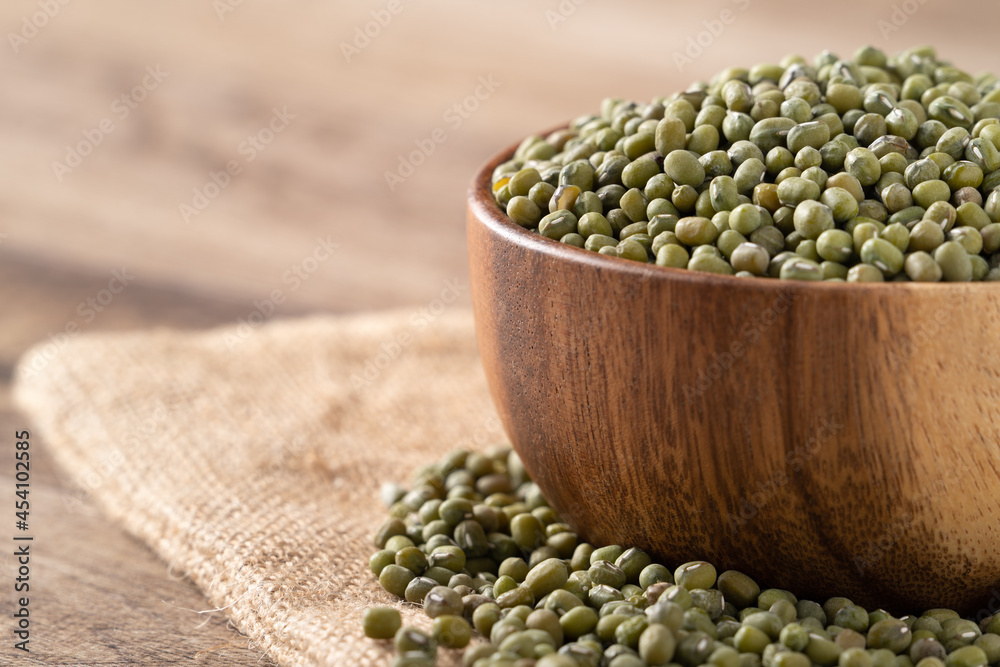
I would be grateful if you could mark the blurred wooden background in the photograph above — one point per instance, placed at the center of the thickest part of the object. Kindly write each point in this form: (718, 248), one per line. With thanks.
(98, 596)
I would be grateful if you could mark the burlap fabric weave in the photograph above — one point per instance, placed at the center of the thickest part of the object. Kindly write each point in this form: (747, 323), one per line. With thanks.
(252, 463)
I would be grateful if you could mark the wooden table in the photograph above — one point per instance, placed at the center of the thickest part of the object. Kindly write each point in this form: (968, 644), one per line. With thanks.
(206, 148)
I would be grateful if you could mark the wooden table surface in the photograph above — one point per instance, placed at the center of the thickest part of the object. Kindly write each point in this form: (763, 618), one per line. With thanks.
(118, 116)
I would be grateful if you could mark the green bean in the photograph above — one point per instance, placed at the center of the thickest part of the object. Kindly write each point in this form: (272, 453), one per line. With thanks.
(381, 622)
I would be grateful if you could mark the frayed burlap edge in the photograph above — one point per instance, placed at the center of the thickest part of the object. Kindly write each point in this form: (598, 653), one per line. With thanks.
(250, 460)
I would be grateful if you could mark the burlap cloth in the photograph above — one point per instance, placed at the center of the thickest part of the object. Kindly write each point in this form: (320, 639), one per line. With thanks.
(251, 460)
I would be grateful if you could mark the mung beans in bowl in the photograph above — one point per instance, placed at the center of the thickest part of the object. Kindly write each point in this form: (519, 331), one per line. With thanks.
(864, 170)
(671, 318)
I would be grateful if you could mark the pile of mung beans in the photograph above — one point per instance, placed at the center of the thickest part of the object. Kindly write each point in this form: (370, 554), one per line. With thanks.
(867, 169)
(477, 546)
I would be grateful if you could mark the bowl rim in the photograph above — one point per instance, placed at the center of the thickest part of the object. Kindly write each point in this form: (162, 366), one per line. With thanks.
(483, 205)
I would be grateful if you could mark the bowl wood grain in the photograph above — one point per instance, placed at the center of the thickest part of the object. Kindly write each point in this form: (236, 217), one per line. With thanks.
(831, 439)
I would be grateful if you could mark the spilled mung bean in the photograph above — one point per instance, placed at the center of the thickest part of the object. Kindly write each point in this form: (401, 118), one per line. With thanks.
(536, 594)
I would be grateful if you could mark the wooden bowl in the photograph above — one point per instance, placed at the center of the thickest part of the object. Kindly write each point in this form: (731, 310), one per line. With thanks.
(831, 439)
